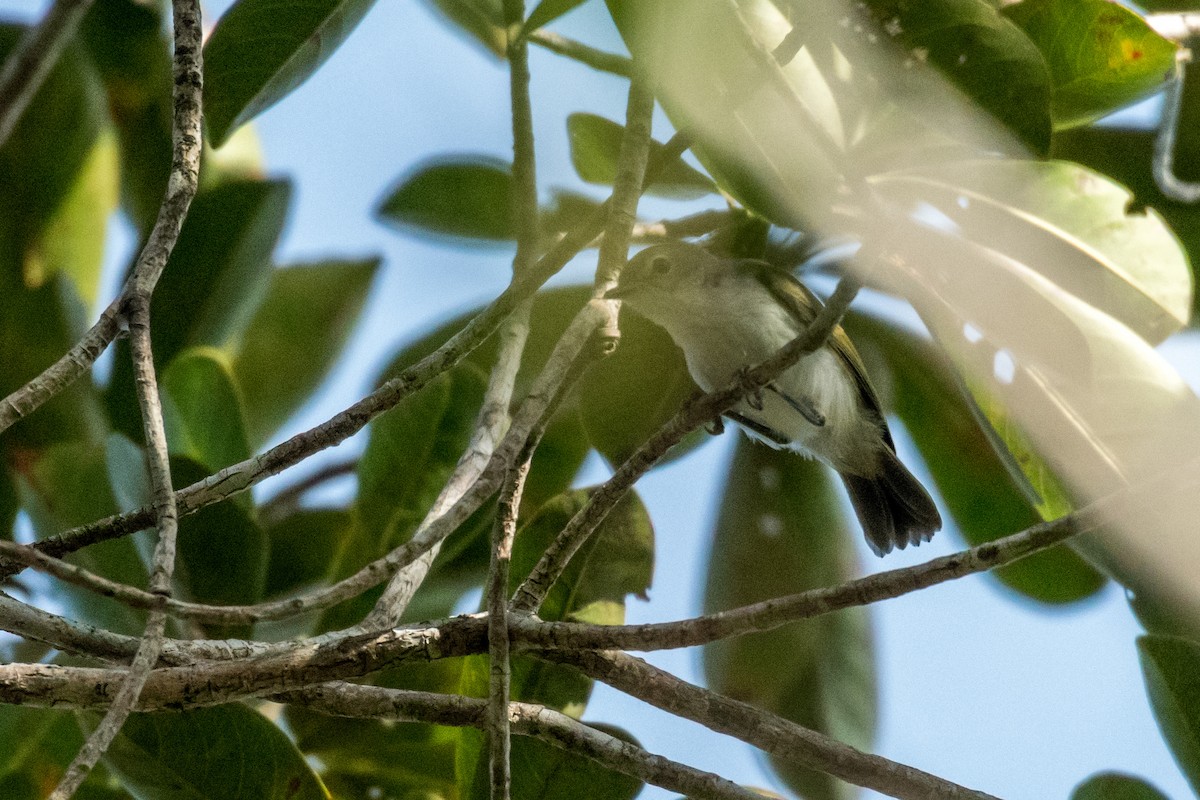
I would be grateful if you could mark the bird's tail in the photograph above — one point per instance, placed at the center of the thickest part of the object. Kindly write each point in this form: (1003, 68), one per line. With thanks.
(893, 507)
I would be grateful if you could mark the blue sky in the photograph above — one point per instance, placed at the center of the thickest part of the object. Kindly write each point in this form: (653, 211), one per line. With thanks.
(976, 685)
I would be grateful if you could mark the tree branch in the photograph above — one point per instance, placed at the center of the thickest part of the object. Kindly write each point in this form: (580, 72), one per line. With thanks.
(769, 614)
(764, 730)
(180, 190)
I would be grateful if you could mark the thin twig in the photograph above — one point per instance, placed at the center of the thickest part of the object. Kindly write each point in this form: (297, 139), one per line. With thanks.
(632, 160)
(159, 469)
(282, 504)
(584, 54)
(764, 730)
(526, 216)
(35, 55)
(504, 530)
(769, 614)
(532, 592)
(184, 171)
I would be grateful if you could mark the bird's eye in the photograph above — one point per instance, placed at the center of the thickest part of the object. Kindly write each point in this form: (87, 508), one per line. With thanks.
(660, 265)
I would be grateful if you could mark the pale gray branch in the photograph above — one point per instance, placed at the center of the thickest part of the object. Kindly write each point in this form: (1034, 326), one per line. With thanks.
(764, 730)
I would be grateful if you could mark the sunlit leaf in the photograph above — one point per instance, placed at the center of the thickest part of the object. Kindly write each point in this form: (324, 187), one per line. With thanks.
(129, 42)
(296, 336)
(596, 146)
(1171, 667)
(203, 409)
(1101, 55)
(1127, 156)
(1115, 786)
(780, 530)
(462, 196)
(38, 171)
(980, 492)
(1069, 224)
(211, 754)
(980, 52)
(721, 53)
(73, 241)
(261, 50)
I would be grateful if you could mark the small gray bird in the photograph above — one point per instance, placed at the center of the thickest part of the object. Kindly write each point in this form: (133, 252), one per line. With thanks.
(728, 314)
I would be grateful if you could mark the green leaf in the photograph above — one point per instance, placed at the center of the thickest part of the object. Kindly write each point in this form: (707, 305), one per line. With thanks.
(1071, 225)
(975, 484)
(1115, 786)
(483, 20)
(128, 41)
(468, 197)
(213, 284)
(263, 49)
(556, 462)
(303, 545)
(296, 337)
(983, 54)
(410, 453)
(1101, 55)
(38, 171)
(73, 240)
(596, 147)
(40, 743)
(781, 529)
(1171, 667)
(549, 10)
(408, 759)
(219, 753)
(1126, 156)
(616, 561)
(628, 396)
(203, 410)
(68, 486)
(222, 552)
(38, 325)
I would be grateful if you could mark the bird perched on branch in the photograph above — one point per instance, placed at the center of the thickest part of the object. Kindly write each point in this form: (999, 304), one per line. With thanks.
(730, 314)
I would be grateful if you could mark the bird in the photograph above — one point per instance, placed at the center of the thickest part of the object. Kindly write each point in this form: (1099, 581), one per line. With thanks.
(728, 314)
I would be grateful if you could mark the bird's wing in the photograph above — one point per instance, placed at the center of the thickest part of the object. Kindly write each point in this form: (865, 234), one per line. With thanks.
(804, 306)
